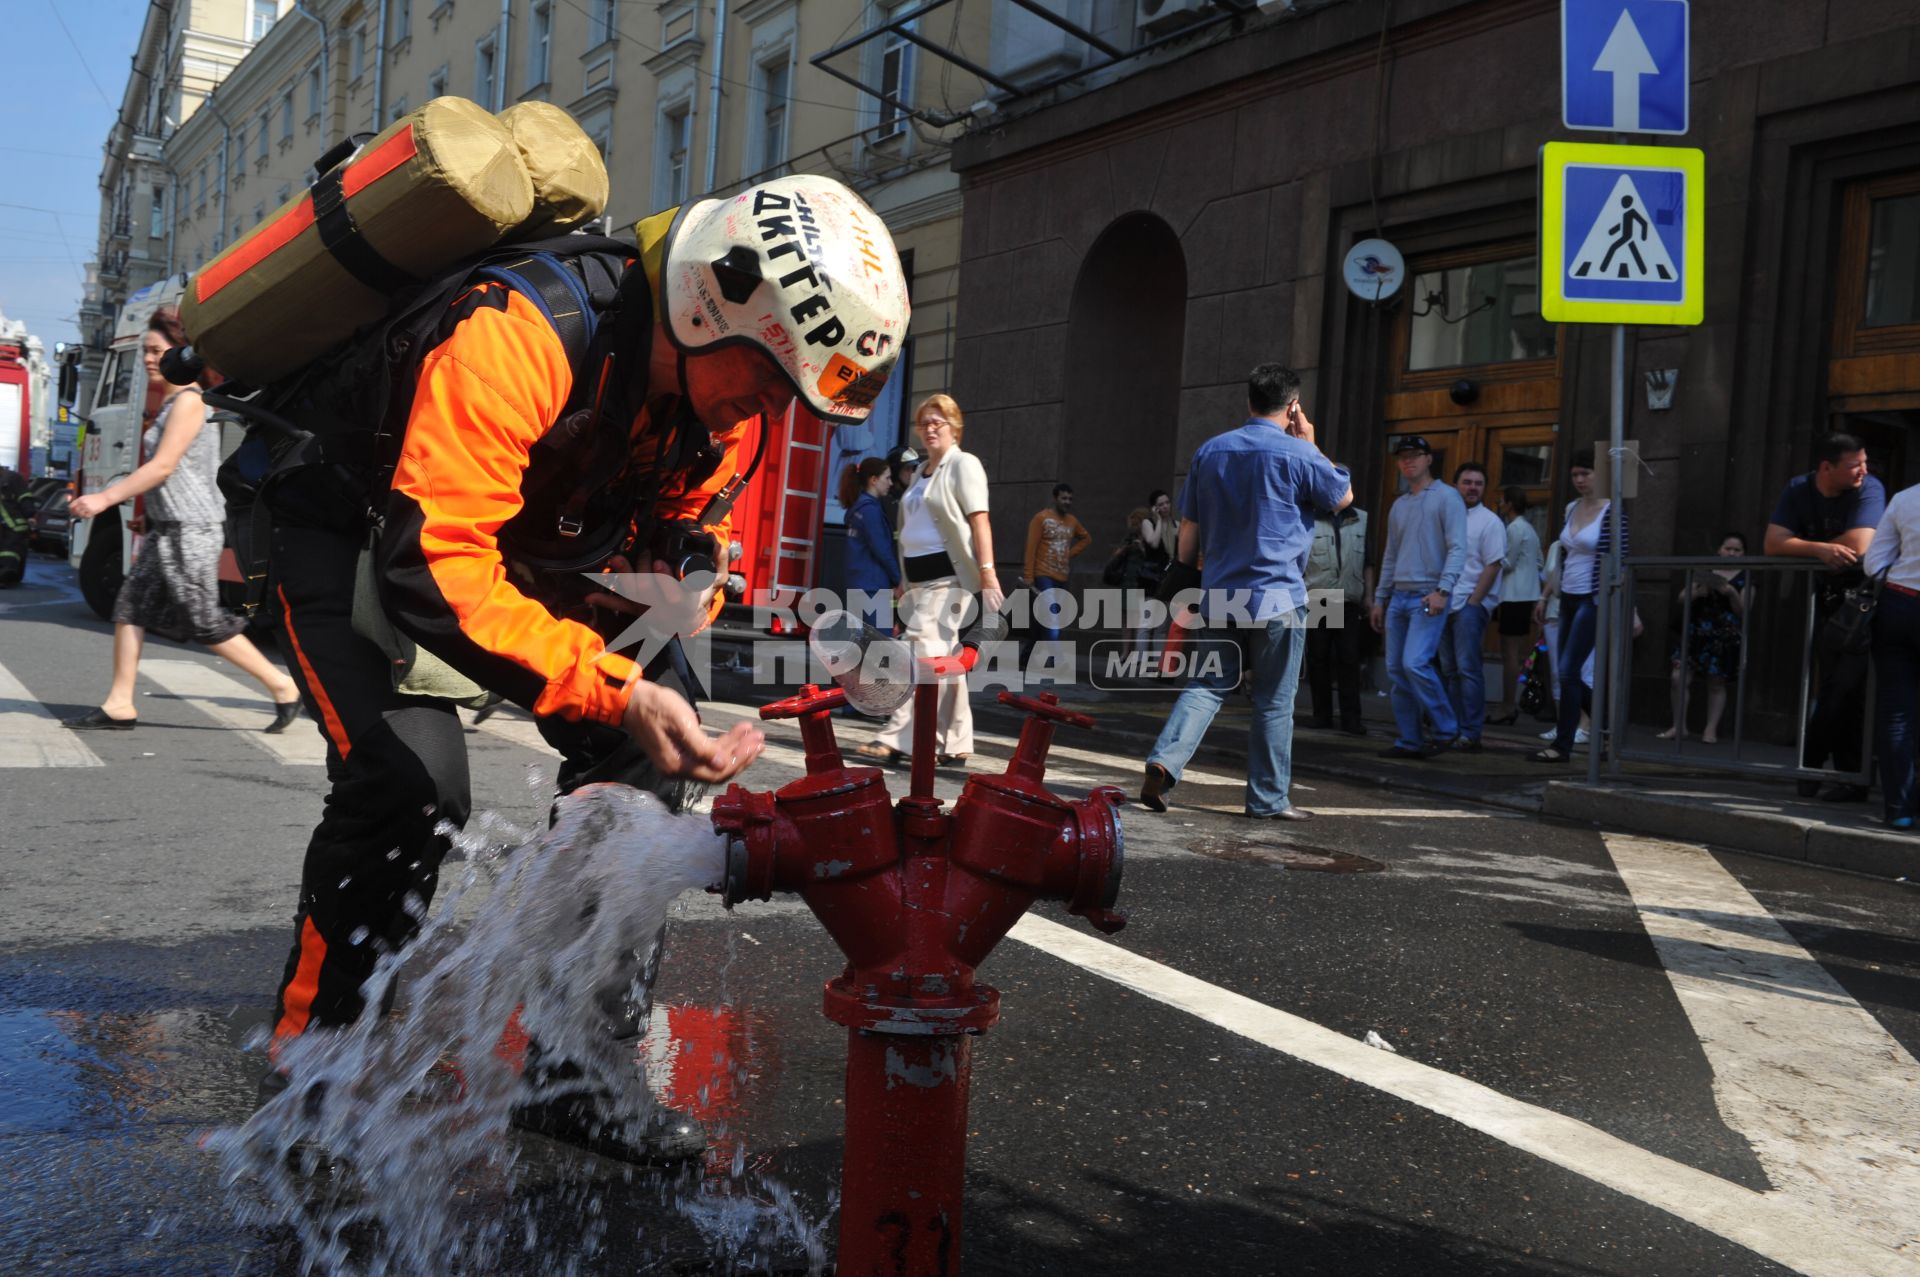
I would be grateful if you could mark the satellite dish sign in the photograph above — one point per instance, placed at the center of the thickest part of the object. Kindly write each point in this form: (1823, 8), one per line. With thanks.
(1374, 270)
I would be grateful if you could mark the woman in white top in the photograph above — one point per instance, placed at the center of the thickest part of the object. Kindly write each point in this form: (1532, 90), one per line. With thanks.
(1584, 542)
(946, 556)
(1895, 550)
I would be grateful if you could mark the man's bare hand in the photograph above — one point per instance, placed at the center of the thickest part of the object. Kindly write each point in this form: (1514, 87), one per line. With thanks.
(1377, 618)
(1834, 555)
(1297, 424)
(668, 731)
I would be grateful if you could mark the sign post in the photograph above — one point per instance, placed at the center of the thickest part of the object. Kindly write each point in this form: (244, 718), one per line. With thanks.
(1622, 240)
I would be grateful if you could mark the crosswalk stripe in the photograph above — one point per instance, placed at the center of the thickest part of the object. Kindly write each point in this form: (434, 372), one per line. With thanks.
(237, 705)
(1806, 1240)
(30, 736)
(1827, 1097)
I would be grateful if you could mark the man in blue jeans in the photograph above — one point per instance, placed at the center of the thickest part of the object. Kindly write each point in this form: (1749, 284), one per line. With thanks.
(1475, 597)
(1426, 552)
(1249, 505)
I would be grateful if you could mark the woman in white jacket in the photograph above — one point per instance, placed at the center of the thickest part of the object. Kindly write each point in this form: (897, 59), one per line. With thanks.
(946, 557)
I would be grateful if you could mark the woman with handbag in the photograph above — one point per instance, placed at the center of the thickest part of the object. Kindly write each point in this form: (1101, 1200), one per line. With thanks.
(1894, 560)
(946, 555)
(176, 573)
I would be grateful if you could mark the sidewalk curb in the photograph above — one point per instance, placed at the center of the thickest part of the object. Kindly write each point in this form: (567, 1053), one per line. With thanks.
(1782, 837)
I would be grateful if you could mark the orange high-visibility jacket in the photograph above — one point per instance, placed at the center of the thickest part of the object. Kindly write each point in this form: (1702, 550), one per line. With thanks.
(492, 388)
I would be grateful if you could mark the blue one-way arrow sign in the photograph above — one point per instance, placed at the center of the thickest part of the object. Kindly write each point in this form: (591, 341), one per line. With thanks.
(1623, 65)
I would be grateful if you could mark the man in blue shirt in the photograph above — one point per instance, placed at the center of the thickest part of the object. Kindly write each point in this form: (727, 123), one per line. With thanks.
(1426, 552)
(1248, 507)
(1830, 515)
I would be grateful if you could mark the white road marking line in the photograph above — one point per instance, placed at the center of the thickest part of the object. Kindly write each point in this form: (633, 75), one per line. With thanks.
(1771, 1225)
(238, 705)
(1828, 1098)
(30, 736)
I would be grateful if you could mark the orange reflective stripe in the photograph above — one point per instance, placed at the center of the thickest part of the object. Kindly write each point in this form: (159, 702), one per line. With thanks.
(485, 396)
(336, 730)
(297, 1001)
(284, 229)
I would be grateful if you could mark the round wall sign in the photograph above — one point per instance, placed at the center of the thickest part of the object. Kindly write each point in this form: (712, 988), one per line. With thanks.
(1374, 270)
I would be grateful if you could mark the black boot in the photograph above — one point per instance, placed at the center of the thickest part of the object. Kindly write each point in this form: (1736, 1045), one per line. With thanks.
(661, 1138)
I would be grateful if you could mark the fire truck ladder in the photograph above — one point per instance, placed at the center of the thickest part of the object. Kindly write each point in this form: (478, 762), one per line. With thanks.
(797, 530)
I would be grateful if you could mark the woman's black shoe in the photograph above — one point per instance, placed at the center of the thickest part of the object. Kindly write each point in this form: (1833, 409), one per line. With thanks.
(1506, 721)
(284, 714)
(98, 720)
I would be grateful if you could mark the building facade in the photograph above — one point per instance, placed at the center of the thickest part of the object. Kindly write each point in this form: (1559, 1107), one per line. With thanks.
(186, 48)
(1133, 249)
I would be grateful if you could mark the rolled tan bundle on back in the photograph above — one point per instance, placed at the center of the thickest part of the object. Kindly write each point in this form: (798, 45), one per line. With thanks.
(440, 184)
(569, 177)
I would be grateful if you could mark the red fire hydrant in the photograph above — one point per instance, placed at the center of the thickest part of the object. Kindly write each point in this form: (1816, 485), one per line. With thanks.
(917, 898)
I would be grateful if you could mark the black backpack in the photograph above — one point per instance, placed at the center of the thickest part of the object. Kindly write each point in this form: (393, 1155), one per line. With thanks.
(348, 409)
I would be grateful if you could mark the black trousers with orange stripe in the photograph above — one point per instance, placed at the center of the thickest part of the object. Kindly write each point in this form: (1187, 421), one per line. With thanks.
(397, 769)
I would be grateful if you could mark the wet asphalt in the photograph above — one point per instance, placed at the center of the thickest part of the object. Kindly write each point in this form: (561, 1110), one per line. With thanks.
(144, 911)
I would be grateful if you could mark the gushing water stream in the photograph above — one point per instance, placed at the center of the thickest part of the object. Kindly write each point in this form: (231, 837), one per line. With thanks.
(389, 1153)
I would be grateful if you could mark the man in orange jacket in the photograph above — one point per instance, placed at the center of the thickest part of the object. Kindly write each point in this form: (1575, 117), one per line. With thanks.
(731, 311)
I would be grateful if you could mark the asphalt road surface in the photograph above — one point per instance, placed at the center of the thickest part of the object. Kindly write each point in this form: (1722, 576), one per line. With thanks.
(1594, 1054)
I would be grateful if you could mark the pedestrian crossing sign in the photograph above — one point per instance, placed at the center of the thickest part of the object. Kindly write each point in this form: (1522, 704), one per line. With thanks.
(1622, 234)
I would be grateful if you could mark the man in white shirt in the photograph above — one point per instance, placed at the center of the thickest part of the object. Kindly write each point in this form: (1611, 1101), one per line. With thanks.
(1475, 595)
(1895, 551)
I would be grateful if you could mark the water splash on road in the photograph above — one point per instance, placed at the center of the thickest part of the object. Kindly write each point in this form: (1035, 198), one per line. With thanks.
(389, 1153)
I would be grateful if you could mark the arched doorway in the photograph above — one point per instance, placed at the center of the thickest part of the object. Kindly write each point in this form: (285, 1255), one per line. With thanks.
(1126, 329)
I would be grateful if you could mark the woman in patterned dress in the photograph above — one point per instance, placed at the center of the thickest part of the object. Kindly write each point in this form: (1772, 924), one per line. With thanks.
(175, 576)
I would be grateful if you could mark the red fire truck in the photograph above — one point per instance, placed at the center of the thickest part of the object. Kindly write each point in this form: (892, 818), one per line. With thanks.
(23, 397)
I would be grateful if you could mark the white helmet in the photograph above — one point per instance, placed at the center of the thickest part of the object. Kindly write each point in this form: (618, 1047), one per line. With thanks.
(801, 268)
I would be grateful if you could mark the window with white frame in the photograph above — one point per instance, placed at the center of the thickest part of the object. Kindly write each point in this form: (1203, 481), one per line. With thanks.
(286, 116)
(313, 91)
(399, 108)
(600, 22)
(266, 135)
(259, 214)
(240, 153)
(485, 70)
(157, 214)
(676, 141)
(896, 85)
(437, 83)
(264, 12)
(200, 197)
(772, 94)
(539, 43)
(402, 20)
(357, 57)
